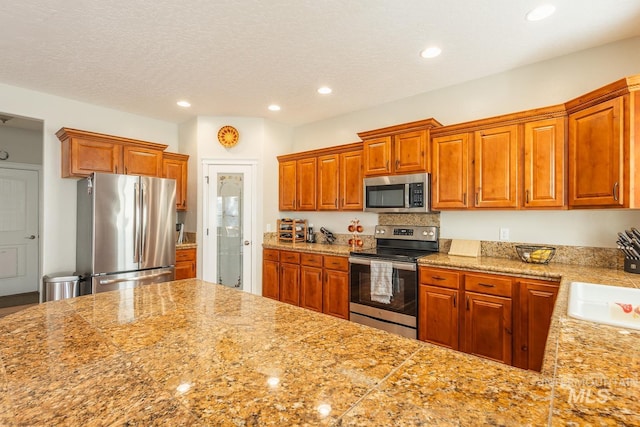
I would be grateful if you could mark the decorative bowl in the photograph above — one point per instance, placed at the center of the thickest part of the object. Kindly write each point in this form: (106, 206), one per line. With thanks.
(535, 254)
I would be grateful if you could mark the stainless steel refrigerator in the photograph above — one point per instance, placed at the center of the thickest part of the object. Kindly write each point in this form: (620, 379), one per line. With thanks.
(126, 231)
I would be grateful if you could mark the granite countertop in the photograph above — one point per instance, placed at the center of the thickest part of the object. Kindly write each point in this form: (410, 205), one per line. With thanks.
(194, 353)
(186, 246)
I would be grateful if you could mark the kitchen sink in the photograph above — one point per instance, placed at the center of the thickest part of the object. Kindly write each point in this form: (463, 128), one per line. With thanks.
(610, 305)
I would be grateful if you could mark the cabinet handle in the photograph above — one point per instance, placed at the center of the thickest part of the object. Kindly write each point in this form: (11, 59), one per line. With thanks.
(487, 285)
(464, 198)
(336, 202)
(526, 193)
(116, 168)
(387, 165)
(126, 171)
(507, 330)
(397, 164)
(454, 300)
(615, 191)
(477, 196)
(525, 348)
(437, 278)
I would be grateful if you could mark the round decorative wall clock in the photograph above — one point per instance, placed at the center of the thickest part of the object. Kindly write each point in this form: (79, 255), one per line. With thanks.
(228, 136)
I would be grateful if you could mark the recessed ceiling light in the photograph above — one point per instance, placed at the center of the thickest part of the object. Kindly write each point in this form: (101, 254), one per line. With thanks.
(431, 52)
(274, 107)
(541, 12)
(184, 104)
(324, 90)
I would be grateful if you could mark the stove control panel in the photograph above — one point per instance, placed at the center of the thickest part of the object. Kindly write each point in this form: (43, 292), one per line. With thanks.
(423, 233)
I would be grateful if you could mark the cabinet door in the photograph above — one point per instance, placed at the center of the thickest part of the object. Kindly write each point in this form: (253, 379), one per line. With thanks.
(185, 264)
(86, 156)
(336, 293)
(174, 168)
(270, 279)
(290, 283)
(287, 186)
(535, 307)
(311, 288)
(543, 166)
(142, 161)
(410, 152)
(377, 156)
(438, 316)
(450, 167)
(351, 181)
(488, 330)
(306, 184)
(595, 147)
(496, 167)
(328, 182)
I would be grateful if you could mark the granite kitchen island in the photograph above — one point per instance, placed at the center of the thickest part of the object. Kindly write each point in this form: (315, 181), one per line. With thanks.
(194, 353)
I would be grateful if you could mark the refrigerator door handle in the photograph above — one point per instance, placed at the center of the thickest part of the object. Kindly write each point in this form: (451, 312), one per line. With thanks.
(134, 279)
(143, 221)
(136, 223)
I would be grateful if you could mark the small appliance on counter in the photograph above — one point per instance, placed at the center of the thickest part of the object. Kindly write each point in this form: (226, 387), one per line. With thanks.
(311, 237)
(629, 243)
(179, 233)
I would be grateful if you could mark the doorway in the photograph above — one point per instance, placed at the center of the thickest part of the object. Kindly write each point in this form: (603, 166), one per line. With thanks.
(229, 213)
(19, 231)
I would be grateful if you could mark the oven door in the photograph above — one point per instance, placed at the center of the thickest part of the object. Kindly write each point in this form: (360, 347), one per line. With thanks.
(404, 286)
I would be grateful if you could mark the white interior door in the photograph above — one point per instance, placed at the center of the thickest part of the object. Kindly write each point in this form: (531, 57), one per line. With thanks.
(229, 204)
(18, 231)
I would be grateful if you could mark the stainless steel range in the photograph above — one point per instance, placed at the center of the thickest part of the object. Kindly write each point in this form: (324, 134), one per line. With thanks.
(384, 280)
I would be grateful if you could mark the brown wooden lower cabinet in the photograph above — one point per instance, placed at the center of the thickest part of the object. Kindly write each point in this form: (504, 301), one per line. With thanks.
(290, 277)
(311, 281)
(185, 263)
(487, 323)
(271, 273)
(499, 317)
(535, 305)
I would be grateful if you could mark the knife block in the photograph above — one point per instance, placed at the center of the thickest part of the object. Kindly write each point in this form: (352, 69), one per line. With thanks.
(632, 266)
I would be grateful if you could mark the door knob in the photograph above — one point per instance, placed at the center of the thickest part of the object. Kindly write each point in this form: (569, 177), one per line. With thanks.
(30, 237)
(246, 243)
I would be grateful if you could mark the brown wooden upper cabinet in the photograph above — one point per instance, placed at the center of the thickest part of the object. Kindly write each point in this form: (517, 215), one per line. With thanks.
(604, 147)
(450, 183)
(397, 149)
(492, 163)
(325, 179)
(86, 152)
(176, 166)
(544, 166)
(297, 185)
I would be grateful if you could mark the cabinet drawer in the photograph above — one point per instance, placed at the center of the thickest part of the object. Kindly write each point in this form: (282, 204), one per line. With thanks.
(439, 277)
(311, 260)
(185, 255)
(271, 254)
(290, 257)
(336, 263)
(488, 284)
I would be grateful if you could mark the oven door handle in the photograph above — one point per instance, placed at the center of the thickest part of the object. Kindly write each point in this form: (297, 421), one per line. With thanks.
(407, 266)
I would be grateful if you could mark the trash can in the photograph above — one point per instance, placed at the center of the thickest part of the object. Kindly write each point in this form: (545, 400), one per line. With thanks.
(60, 286)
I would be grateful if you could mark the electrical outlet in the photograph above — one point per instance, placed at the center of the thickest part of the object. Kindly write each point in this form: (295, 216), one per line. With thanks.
(504, 234)
(268, 228)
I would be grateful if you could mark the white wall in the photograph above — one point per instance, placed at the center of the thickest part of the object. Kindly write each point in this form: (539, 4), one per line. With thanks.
(538, 85)
(260, 140)
(23, 145)
(58, 228)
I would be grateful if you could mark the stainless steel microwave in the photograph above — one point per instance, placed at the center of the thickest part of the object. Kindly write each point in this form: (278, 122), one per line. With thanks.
(398, 193)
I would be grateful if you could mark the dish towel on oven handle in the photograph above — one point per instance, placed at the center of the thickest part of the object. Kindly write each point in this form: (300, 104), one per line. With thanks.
(381, 281)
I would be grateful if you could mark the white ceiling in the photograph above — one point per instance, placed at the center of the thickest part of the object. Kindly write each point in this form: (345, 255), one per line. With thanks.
(235, 57)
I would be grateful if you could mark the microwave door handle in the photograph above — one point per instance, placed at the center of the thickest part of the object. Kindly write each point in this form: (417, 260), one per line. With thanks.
(407, 195)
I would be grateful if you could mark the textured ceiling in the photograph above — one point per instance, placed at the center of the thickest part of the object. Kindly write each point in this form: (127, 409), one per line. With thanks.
(235, 57)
